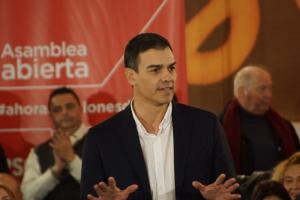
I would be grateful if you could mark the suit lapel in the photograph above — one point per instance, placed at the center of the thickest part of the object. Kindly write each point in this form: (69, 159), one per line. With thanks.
(129, 137)
(181, 144)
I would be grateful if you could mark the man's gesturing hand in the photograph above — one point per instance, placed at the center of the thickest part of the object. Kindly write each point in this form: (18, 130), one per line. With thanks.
(219, 190)
(111, 191)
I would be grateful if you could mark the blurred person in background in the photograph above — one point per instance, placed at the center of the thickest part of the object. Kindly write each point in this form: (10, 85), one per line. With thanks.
(52, 169)
(287, 172)
(270, 190)
(3, 161)
(9, 187)
(258, 136)
(6, 193)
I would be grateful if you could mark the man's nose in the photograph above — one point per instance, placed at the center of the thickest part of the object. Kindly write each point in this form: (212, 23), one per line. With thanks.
(296, 185)
(268, 94)
(167, 75)
(64, 110)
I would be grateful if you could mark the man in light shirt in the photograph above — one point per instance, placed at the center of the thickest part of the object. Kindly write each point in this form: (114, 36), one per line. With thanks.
(52, 169)
(156, 149)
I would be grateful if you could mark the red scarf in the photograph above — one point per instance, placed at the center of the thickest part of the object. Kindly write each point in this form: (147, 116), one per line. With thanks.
(232, 127)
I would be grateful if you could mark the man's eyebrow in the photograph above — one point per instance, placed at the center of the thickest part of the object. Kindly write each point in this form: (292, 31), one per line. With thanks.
(172, 64)
(159, 65)
(154, 66)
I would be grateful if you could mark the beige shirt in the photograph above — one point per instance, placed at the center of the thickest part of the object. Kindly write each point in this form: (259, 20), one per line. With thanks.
(35, 185)
(158, 151)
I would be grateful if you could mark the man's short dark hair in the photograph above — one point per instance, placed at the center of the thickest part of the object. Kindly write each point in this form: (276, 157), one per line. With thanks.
(60, 91)
(140, 44)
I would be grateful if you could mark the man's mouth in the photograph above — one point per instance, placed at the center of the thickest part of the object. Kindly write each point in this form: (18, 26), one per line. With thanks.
(66, 120)
(165, 89)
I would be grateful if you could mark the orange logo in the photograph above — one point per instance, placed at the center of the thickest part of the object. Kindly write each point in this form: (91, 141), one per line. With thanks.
(212, 66)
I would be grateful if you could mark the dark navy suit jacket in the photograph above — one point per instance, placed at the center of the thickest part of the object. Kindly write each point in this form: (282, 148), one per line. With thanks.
(112, 148)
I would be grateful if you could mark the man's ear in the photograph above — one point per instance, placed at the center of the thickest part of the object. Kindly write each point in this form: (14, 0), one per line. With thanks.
(130, 75)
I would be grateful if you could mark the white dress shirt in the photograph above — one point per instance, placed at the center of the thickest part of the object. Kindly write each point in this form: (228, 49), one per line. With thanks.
(158, 151)
(35, 185)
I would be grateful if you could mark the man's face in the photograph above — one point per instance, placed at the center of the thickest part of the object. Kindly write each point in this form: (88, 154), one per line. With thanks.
(65, 112)
(256, 98)
(154, 83)
(291, 180)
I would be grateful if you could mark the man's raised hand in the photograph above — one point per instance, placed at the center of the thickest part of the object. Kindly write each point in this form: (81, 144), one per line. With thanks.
(219, 190)
(111, 191)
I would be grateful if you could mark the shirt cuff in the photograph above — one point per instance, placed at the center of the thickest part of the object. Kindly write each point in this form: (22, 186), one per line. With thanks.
(75, 167)
(49, 179)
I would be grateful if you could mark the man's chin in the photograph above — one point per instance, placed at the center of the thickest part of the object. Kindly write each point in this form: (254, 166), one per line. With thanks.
(265, 109)
(166, 100)
(66, 126)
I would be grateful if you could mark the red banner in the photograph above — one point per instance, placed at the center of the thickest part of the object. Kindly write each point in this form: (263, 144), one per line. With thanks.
(80, 44)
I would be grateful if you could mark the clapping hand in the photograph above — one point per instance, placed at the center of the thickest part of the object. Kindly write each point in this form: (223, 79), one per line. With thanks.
(62, 146)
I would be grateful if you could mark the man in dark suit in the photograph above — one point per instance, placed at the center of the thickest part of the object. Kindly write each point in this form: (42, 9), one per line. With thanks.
(156, 149)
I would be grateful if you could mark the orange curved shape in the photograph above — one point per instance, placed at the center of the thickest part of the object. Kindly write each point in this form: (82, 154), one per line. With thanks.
(298, 3)
(212, 66)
